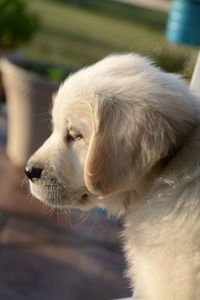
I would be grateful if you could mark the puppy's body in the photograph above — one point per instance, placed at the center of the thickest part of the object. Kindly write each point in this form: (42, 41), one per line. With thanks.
(162, 233)
(126, 137)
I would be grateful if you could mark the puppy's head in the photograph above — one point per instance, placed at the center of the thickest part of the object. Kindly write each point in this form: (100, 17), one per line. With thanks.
(112, 122)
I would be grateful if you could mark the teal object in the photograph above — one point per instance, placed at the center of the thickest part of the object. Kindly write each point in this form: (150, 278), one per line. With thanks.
(183, 24)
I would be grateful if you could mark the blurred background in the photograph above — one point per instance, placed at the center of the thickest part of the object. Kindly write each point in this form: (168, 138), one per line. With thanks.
(81, 32)
(45, 253)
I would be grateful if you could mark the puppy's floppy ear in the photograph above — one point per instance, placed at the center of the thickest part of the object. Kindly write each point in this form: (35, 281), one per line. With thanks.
(109, 157)
(126, 142)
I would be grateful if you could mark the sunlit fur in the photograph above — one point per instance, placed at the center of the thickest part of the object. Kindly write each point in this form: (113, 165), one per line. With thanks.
(139, 155)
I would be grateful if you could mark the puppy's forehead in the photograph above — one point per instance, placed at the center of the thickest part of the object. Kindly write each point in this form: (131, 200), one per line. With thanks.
(71, 105)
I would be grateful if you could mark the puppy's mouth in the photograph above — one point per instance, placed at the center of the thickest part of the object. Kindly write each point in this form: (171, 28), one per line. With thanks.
(56, 194)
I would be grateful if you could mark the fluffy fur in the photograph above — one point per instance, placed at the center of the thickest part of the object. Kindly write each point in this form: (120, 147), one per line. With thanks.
(126, 137)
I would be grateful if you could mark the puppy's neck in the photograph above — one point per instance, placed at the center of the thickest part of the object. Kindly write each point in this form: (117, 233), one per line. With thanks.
(146, 183)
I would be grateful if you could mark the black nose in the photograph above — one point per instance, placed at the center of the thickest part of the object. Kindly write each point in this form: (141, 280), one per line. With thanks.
(33, 172)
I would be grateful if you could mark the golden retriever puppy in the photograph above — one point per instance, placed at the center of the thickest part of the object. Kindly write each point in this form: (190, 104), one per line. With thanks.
(126, 138)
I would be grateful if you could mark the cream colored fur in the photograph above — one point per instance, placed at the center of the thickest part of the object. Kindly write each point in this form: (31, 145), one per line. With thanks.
(126, 137)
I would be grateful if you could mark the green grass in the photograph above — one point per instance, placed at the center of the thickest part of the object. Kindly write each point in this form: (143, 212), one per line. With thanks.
(82, 34)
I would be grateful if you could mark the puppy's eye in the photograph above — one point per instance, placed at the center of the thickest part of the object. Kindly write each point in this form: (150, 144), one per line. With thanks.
(73, 136)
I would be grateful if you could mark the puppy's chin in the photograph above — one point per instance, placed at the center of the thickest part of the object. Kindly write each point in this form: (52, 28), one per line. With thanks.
(35, 191)
(52, 195)
(39, 194)
(56, 196)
